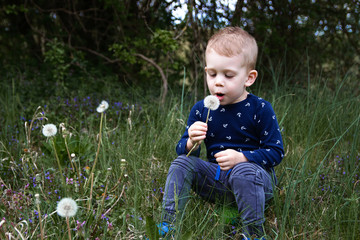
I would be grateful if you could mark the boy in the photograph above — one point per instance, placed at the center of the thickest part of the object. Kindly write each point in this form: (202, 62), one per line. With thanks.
(242, 138)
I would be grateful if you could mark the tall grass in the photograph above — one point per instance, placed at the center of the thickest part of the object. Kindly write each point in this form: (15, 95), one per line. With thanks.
(317, 196)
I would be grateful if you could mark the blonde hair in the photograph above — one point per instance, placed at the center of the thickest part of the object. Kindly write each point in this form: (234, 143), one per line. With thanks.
(232, 41)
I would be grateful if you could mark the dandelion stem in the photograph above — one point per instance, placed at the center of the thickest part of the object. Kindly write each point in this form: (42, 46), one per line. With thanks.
(68, 226)
(195, 145)
(103, 200)
(73, 165)
(41, 228)
(91, 190)
(58, 161)
(67, 150)
(98, 149)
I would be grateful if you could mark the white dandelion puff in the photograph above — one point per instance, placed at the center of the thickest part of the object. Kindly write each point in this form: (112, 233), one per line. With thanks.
(102, 107)
(67, 207)
(49, 130)
(211, 102)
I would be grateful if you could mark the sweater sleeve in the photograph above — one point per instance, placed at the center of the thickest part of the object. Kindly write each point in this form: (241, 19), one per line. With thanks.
(195, 115)
(271, 150)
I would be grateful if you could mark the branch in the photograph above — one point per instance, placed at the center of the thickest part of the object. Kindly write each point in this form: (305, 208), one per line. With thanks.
(109, 60)
(163, 77)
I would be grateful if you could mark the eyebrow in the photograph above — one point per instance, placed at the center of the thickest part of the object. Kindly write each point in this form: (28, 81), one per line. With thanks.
(225, 70)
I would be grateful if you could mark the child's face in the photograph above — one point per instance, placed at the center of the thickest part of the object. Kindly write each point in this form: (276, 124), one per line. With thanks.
(227, 77)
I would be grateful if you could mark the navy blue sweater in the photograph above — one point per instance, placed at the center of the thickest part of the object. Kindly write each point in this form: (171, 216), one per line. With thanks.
(249, 126)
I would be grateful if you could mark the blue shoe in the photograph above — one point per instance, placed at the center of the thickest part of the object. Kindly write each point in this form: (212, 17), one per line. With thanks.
(165, 228)
(254, 238)
(247, 238)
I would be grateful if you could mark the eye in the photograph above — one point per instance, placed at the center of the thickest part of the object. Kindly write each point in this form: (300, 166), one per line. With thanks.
(229, 76)
(212, 74)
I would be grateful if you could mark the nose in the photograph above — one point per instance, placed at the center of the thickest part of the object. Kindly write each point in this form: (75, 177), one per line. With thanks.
(219, 81)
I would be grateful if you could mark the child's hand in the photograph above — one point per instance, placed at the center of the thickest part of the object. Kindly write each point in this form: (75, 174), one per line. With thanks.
(228, 158)
(197, 133)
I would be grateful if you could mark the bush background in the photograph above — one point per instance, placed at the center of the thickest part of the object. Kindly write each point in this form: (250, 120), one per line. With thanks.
(59, 60)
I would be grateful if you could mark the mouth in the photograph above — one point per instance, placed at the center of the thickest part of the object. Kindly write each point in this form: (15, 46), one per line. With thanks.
(220, 96)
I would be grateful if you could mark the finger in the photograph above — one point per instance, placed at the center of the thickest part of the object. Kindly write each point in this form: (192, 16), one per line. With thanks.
(197, 139)
(201, 125)
(224, 168)
(217, 155)
(220, 154)
(198, 134)
(221, 160)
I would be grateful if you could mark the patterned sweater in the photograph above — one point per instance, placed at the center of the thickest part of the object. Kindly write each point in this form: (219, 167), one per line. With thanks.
(249, 126)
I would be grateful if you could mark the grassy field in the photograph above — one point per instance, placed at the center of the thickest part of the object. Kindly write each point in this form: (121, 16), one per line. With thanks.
(133, 144)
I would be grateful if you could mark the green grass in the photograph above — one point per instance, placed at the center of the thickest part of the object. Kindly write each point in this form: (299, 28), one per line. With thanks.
(319, 179)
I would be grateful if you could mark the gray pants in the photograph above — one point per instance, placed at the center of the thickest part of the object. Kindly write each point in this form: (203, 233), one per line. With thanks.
(248, 186)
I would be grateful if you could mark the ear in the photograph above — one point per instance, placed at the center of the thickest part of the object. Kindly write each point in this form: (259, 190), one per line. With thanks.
(206, 69)
(251, 78)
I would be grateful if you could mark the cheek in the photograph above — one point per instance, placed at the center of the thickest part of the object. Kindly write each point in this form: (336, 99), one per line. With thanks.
(210, 87)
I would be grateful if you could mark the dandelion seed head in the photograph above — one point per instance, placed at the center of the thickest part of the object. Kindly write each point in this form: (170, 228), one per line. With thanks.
(211, 102)
(62, 126)
(49, 130)
(102, 107)
(67, 207)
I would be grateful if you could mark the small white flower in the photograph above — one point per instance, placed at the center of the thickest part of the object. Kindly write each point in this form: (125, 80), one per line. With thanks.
(73, 155)
(37, 199)
(62, 126)
(122, 163)
(67, 207)
(102, 107)
(211, 102)
(49, 130)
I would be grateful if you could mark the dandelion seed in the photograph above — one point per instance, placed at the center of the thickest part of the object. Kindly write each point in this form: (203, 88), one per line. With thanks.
(67, 207)
(102, 107)
(211, 102)
(49, 130)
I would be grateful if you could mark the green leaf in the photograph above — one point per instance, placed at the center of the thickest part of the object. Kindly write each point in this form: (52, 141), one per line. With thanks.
(152, 231)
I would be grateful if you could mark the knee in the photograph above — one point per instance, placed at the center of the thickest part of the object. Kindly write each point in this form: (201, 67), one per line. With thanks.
(182, 162)
(244, 170)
